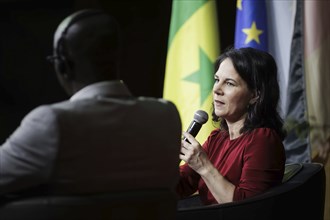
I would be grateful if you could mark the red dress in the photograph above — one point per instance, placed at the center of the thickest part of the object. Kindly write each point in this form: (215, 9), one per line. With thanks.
(253, 162)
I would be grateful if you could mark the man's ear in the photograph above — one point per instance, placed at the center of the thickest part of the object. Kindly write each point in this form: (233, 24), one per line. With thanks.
(63, 64)
(65, 68)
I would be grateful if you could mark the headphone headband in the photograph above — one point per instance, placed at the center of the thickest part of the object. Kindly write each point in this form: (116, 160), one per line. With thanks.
(62, 62)
(80, 15)
(72, 19)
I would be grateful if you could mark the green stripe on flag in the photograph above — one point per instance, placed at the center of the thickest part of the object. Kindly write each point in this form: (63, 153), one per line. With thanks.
(181, 11)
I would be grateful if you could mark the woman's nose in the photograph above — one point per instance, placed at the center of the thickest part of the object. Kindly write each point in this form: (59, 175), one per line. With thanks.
(217, 89)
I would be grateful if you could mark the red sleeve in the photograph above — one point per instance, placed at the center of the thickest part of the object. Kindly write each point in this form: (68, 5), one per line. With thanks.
(188, 183)
(263, 164)
(189, 179)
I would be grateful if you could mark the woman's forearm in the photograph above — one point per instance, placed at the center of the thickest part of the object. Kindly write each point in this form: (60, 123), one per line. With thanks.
(221, 189)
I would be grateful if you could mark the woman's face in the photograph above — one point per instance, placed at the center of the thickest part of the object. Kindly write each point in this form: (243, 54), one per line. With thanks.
(231, 95)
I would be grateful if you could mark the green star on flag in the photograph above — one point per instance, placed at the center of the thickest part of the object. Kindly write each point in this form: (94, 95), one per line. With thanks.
(205, 83)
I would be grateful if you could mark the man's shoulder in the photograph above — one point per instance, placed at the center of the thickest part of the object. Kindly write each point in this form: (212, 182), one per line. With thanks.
(46, 111)
(160, 109)
(154, 100)
(158, 104)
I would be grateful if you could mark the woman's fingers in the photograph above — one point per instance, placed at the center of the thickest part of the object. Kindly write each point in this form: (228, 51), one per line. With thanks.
(189, 137)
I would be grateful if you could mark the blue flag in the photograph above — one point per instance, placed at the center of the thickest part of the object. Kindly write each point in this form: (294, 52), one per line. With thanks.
(251, 24)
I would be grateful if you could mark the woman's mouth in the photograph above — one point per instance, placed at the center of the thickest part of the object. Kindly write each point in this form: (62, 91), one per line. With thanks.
(218, 103)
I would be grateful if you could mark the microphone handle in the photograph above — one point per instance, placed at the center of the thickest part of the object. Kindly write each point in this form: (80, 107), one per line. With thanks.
(193, 129)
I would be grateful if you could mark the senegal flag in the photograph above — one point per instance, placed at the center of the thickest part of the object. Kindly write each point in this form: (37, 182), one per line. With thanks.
(192, 50)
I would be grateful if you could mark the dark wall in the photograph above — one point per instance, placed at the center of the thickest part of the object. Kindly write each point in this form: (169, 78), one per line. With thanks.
(27, 26)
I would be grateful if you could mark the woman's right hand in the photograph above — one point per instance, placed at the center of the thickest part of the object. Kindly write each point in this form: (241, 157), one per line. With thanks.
(193, 154)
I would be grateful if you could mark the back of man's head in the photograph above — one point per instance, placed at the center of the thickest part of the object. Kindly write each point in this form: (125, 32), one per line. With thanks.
(86, 47)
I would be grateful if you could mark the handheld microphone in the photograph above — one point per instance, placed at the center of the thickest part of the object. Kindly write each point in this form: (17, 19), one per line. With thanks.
(200, 118)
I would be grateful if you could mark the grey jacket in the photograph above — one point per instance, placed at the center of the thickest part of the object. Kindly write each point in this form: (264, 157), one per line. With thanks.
(100, 140)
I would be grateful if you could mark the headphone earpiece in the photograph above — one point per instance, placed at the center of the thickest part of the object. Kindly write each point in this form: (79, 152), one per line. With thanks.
(61, 60)
(61, 65)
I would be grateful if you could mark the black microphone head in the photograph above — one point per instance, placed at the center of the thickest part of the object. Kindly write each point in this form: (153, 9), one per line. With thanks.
(201, 117)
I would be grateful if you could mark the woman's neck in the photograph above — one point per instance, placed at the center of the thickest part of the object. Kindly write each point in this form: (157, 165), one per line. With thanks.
(234, 128)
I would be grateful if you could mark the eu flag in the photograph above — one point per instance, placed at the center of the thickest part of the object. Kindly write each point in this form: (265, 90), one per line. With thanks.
(251, 24)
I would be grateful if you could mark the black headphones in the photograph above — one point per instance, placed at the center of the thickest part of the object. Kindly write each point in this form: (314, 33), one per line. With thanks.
(62, 62)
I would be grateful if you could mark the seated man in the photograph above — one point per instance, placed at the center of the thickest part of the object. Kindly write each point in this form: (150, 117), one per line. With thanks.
(103, 139)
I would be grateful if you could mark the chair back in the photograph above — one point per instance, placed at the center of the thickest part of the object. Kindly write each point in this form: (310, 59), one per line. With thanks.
(130, 205)
(301, 196)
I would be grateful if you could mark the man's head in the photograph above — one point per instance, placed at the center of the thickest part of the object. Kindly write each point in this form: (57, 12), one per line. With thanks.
(86, 49)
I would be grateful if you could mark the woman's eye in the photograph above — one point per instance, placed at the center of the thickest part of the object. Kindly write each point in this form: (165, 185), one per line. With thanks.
(229, 84)
(216, 80)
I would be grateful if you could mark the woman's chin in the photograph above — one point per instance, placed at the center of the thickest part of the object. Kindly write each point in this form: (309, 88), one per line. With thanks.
(219, 113)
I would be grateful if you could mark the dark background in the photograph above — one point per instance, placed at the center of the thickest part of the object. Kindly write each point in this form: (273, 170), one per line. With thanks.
(27, 27)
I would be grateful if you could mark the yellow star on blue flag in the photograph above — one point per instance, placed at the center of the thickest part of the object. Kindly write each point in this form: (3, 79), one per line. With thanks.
(251, 24)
